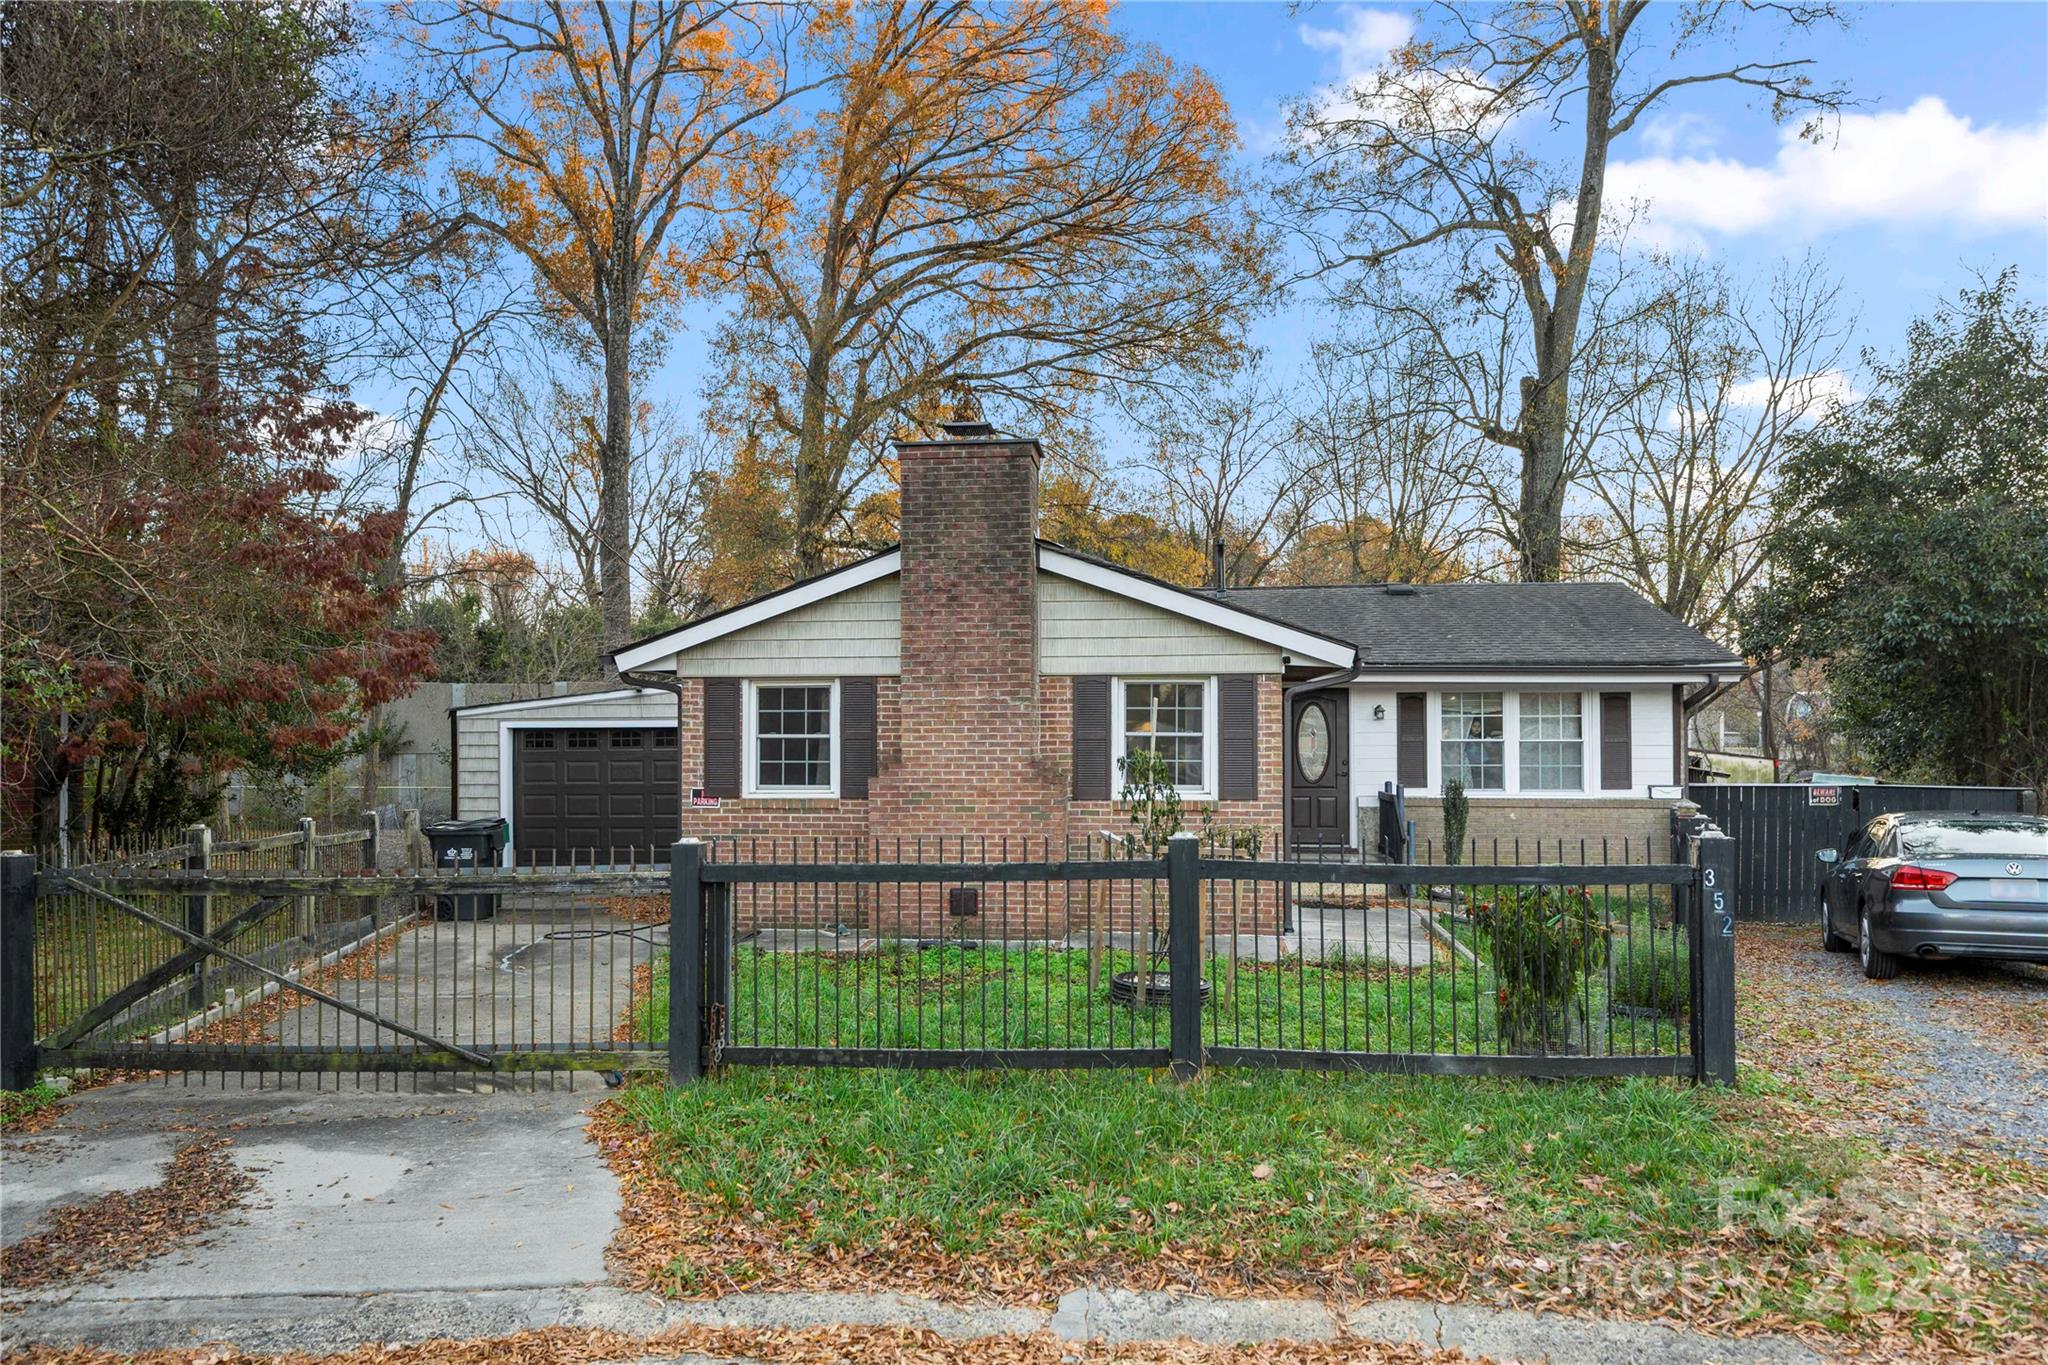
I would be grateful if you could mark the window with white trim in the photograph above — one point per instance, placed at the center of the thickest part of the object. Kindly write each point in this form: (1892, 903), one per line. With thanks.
(1553, 731)
(1474, 729)
(792, 737)
(1171, 719)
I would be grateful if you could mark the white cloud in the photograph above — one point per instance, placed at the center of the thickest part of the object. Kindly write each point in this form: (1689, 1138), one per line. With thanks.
(1923, 165)
(1807, 393)
(1361, 45)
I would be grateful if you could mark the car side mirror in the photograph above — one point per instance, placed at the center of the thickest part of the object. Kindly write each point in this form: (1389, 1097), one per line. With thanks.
(1827, 855)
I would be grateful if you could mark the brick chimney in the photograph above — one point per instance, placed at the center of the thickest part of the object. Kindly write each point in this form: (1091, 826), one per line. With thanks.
(968, 759)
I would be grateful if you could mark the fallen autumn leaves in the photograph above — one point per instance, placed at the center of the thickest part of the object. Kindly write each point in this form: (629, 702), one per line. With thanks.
(123, 1229)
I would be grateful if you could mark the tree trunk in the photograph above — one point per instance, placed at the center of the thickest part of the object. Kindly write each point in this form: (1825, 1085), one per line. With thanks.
(615, 480)
(817, 481)
(1545, 421)
(1540, 515)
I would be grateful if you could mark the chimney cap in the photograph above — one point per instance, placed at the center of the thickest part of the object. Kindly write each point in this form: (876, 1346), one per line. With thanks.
(969, 431)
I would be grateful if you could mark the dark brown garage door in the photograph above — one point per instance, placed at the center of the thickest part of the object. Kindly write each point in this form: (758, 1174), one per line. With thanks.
(595, 795)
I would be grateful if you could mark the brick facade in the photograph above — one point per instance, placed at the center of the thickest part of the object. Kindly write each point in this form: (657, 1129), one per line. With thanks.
(973, 742)
(967, 758)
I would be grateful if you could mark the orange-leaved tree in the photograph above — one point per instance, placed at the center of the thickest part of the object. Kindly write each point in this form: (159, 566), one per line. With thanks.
(1009, 201)
(612, 144)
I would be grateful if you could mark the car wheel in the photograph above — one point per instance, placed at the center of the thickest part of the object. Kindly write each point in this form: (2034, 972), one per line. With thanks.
(1878, 964)
(1830, 941)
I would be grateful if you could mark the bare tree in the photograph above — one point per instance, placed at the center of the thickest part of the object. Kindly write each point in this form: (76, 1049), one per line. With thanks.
(1693, 401)
(1437, 153)
(542, 439)
(614, 140)
(1397, 479)
(1002, 205)
(1225, 456)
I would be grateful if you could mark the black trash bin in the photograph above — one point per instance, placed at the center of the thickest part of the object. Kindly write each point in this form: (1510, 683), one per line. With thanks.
(466, 846)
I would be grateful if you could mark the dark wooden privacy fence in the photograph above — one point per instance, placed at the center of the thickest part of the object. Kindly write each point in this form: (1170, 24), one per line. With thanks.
(1777, 828)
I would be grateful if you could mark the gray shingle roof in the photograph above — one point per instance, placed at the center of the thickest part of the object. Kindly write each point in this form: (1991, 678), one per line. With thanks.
(1490, 625)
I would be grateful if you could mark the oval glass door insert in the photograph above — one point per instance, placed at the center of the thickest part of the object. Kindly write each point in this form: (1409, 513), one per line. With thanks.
(1312, 743)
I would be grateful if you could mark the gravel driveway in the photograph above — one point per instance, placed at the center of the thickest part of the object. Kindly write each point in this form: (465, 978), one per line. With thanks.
(1971, 1052)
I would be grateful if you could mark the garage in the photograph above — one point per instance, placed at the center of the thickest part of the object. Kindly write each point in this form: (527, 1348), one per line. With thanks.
(590, 778)
(583, 794)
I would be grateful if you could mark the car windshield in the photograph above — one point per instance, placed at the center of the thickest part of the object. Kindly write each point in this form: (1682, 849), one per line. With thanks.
(1975, 839)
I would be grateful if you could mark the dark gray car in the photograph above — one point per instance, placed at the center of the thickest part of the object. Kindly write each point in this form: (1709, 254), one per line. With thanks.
(1937, 884)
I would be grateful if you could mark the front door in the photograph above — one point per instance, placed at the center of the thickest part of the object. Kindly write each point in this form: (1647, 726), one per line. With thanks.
(1319, 770)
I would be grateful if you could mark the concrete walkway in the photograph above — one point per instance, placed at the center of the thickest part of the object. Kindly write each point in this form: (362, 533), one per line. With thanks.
(382, 1217)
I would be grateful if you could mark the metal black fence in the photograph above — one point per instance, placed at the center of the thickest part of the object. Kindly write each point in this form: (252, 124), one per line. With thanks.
(1190, 958)
(1096, 953)
(1777, 828)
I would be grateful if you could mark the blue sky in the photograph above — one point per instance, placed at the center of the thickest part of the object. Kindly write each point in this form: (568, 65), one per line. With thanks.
(1941, 170)
(1938, 174)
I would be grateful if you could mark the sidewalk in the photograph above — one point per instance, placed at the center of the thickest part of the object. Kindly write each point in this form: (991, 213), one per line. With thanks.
(401, 1218)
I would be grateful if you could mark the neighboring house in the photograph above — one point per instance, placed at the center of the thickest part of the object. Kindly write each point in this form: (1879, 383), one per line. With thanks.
(979, 682)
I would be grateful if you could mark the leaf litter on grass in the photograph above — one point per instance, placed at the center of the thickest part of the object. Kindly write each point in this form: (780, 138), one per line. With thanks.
(843, 1345)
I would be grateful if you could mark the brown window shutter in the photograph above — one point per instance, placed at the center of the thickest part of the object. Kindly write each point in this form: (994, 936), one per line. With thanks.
(1615, 757)
(1237, 752)
(1411, 739)
(721, 737)
(856, 736)
(1091, 739)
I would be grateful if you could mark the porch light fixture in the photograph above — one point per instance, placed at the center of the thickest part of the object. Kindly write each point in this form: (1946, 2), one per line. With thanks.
(1379, 712)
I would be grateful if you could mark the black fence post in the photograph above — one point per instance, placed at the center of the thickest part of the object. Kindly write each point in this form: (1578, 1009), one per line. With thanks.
(1184, 952)
(199, 842)
(17, 971)
(686, 962)
(1713, 958)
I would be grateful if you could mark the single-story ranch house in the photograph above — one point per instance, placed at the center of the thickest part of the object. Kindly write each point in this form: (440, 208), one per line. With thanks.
(977, 680)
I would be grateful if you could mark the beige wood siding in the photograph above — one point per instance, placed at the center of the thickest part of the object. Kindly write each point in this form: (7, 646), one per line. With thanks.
(855, 633)
(1082, 629)
(477, 747)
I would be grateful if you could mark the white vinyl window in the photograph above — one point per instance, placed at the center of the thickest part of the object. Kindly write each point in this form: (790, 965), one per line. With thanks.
(790, 736)
(1553, 731)
(1172, 720)
(1475, 740)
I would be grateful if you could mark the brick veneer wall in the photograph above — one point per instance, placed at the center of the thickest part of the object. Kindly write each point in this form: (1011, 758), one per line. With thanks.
(1636, 830)
(967, 758)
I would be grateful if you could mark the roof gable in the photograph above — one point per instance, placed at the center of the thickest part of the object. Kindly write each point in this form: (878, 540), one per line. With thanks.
(658, 653)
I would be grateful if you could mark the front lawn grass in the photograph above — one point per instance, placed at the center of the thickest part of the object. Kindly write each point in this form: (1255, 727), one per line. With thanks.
(1275, 1175)
(1035, 997)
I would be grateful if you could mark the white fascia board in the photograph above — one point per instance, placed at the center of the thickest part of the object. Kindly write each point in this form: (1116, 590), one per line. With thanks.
(499, 708)
(1298, 643)
(659, 654)
(1503, 676)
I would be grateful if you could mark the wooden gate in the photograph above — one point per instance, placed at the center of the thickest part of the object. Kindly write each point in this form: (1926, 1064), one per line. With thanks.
(1777, 829)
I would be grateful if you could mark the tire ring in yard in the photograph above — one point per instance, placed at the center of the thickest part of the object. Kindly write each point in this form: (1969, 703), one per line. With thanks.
(1123, 989)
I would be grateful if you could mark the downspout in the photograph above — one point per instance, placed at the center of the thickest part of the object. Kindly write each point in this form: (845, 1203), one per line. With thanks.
(1712, 691)
(672, 685)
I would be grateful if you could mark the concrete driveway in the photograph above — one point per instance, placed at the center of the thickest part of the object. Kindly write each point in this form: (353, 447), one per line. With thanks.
(560, 975)
(472, 1199)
